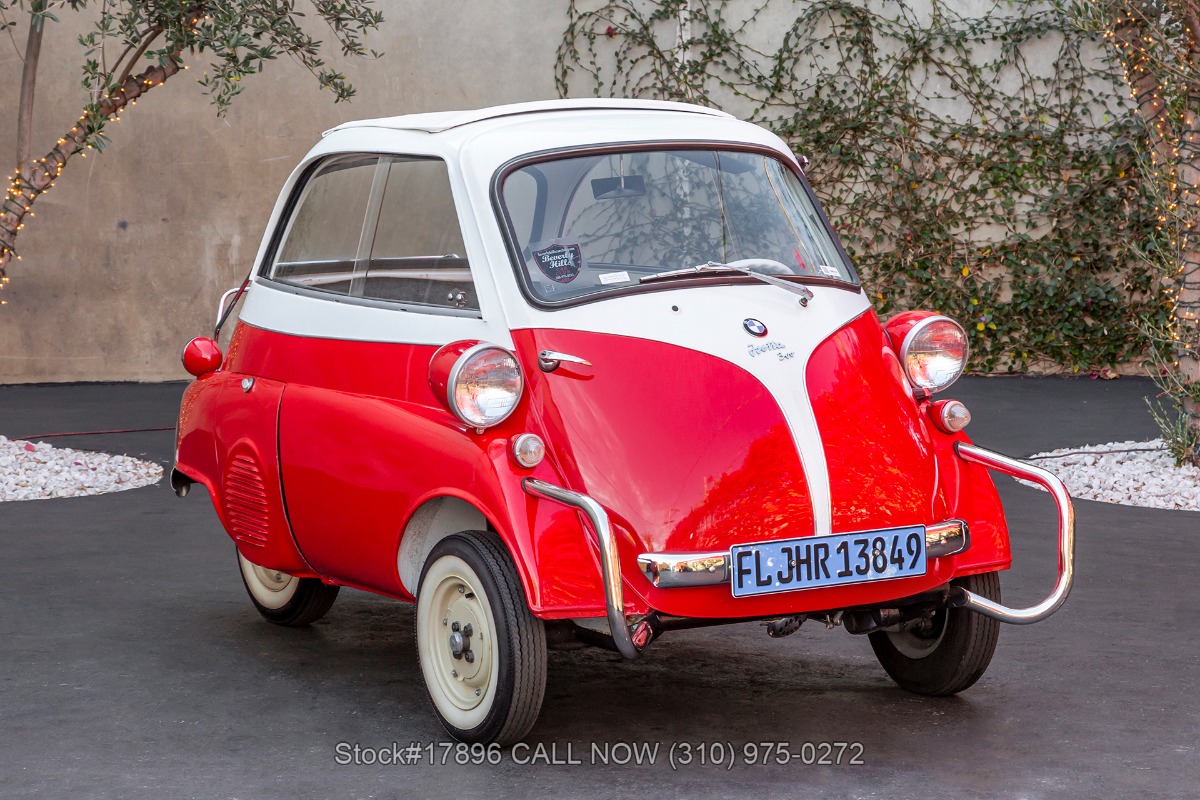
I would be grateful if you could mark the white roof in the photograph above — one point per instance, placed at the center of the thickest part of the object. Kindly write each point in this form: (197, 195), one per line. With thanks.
(438, 121)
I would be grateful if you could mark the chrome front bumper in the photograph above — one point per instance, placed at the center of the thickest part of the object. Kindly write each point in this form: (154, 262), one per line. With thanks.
(630, 639)
(674, 570)
(1066, 539)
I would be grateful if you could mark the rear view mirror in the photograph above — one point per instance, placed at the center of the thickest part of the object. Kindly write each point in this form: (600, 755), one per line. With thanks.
(623, 186)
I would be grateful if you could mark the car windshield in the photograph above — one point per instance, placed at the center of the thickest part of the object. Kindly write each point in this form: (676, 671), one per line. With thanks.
(591, 224)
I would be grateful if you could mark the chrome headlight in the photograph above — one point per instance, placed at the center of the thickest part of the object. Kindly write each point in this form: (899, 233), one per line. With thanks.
(934, 353)
(485, 385)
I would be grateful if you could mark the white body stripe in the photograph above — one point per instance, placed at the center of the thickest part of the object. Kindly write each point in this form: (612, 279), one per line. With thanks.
(710, 320)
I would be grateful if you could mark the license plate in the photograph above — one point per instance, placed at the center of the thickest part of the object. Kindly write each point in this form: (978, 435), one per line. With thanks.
(816, 561)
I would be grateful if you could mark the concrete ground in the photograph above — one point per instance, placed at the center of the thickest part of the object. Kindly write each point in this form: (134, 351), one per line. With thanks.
(132, 664)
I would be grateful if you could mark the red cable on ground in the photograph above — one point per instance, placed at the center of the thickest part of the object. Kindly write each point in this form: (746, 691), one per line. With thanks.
(89, 433)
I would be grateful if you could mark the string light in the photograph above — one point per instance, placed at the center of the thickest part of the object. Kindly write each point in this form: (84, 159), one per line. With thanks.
(1183, 290)
(22, 190)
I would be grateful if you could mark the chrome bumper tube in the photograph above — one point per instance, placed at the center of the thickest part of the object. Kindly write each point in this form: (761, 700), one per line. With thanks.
(1066, 539)
(630, 640)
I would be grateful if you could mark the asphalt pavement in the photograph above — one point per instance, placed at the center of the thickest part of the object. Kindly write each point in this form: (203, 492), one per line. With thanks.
(132, 664)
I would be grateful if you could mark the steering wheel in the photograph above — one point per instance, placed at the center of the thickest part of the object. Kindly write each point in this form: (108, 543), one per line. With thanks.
(767, 266)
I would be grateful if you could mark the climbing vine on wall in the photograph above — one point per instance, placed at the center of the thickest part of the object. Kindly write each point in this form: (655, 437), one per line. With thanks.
(983, 166)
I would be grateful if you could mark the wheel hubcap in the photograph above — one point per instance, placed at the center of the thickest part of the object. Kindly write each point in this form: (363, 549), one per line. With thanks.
(921, 640)
(272, 579)
(462, 659)
(270, 588)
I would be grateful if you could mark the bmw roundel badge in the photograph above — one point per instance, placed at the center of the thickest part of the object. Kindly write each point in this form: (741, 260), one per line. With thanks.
(754, 327)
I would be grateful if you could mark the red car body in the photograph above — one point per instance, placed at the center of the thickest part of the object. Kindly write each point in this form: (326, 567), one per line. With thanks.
(691, 416)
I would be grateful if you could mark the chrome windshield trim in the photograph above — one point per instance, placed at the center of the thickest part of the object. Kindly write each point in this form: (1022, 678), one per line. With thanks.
(1066, 539)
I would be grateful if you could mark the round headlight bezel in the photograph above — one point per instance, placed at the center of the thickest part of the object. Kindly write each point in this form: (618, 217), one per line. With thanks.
(910, 339)
(456, 373)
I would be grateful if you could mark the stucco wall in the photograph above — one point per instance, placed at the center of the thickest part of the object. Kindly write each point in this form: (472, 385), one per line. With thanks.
(128, 254)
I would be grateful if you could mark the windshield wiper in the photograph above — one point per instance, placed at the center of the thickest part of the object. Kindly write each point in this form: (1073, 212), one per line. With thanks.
(716, 267)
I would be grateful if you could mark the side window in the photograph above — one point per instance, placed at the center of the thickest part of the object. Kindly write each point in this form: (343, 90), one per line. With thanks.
(417, 254)
(527, 204)
(321, 244)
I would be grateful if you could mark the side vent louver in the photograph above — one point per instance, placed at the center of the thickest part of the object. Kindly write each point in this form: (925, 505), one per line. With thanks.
(246, 502)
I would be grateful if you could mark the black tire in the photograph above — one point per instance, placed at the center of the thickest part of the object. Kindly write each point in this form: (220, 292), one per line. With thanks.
(952, 654)
(285, 599)
(495, 696)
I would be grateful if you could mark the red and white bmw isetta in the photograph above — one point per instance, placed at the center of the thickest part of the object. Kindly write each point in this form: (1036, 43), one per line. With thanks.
(594, 368)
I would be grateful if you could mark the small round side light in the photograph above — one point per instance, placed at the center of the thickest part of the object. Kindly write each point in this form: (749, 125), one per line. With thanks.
(201, 356)
(950, 416)
(528, 450)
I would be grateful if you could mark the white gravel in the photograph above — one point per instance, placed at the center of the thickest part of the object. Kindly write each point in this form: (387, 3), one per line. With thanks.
(1110, 473)
(1126, 473)
(30, 471)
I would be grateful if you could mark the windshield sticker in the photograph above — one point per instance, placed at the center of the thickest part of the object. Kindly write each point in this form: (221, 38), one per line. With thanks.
(560, 263)
(609, 278)
(828, 271)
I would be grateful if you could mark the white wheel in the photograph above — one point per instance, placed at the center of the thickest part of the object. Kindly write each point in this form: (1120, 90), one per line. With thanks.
(456, 642)
(482, 652)
(285, 599)
(270, 588)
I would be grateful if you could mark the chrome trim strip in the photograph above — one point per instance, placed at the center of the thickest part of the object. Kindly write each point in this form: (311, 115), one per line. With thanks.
(671, 570)
(1066, 539)
(221, 304)
(629, 639)
(946, 538)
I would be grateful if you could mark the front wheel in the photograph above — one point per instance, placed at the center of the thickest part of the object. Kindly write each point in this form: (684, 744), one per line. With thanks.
(946, 653)
(482, 652)
(285, 599)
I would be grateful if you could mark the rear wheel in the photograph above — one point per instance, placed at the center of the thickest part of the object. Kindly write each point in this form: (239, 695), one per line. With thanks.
(948, 652)
(285, 599)
(482, 652)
